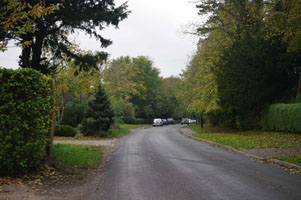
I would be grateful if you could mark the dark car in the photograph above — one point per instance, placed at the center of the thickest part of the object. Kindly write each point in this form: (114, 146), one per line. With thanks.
(170, 121)
(165, 122)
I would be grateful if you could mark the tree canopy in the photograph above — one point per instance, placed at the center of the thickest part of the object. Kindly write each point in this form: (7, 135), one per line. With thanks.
(50, 31)
(245, 59)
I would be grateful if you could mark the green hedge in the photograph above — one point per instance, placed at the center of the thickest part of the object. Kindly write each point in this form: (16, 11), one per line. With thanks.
(26, 107)
(131, 120)
(65, 130)
(283, 117)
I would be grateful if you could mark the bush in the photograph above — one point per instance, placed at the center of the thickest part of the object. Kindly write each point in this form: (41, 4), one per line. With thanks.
(75, 112)
(26, 108)
(283, 117)
(221, 118)
(65, 130)
(88, 127)
(131, 120)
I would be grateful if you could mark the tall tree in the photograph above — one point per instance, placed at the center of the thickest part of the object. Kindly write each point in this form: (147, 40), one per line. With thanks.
(134, 85)
(100, 116)
(245, 59)
(51, 31)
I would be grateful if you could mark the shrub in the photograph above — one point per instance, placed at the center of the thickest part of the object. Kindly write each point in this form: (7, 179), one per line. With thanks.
(283, 117)
(88, 127)
(75, 112)
(65, 130)
(26, 108)
(221, 118)
(131, 120)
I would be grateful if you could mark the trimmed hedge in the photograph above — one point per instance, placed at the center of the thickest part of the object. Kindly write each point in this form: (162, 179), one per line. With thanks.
(283, 117)
(65, 130)
(26, 108)
(131, 120)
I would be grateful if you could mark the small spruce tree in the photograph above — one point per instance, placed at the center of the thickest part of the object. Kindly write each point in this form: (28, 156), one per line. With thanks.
(100, 115)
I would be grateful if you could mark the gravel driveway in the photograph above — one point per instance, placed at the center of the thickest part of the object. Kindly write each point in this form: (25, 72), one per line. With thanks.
(106, 143)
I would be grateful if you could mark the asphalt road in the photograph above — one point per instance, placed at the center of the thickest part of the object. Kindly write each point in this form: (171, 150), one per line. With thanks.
(160, 164)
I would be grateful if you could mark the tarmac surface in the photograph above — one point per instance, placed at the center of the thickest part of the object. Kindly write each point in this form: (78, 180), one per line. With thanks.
(158, 163)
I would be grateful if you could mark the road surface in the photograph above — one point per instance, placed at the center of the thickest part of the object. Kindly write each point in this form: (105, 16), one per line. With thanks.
(160, 164)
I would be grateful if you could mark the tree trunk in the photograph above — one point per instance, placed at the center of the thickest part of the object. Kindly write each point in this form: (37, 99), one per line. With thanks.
(51, 135)
(26, 51)
(37, 52)
(202, 121)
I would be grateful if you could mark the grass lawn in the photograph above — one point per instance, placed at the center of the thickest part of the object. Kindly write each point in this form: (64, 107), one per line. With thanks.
(82, 156)
(292, 159)
(249, 139)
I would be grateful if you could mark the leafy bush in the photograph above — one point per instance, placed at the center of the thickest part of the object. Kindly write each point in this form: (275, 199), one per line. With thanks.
(131, 120)
(75, 112)
(26, 108)
(88, 127)
(221, 118)
(65, 130)
(283, 117)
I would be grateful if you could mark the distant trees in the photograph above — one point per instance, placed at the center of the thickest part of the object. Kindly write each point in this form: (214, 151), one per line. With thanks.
(137, 91)
(244, 61)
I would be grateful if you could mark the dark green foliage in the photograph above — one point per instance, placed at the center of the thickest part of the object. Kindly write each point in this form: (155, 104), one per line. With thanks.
(26, 108)
(100, 115)
(51, 32)
(146, 105)
(283, 117)
(130, 120)
(75, 112)
(251, 75)
(65, 130)
(221, 118)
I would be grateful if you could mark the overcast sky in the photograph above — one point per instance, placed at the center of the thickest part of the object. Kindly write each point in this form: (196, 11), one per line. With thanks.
(154, 29)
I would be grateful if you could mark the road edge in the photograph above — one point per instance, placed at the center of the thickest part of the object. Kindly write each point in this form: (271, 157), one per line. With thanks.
(276, 162)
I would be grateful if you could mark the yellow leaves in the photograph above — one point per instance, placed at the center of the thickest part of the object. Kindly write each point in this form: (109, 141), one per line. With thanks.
(20, 16)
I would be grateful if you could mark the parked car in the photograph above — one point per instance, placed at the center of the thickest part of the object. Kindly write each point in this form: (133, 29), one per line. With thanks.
(165, 122)
(192, 121)
(185, 121)
(158, 122)
(170, 121)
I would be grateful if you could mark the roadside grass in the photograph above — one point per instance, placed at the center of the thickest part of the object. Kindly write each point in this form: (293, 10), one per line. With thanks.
(122, 131)
(291, 159)
(125, 129)
(254, 139)
(133, 126)
(114, 132)
(79, 156)
(197, 128)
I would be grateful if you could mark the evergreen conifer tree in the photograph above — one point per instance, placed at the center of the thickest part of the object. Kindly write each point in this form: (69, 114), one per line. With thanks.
(100, 115)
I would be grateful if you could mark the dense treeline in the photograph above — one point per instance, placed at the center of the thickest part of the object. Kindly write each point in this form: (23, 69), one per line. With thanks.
(134, 88)
(137, 91)
(245, 60)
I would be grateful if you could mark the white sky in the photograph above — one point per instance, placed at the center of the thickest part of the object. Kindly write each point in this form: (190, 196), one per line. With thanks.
(154, 29)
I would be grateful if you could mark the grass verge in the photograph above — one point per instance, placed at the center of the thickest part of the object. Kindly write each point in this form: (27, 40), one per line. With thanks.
(133, 126)
(249, 139)
(80, 156)
(291, 159)
(125, 129)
